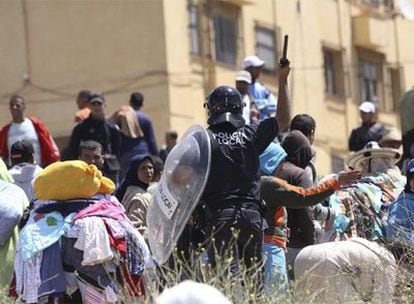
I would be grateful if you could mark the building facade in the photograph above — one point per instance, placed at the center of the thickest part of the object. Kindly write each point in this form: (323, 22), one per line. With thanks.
(176, 51)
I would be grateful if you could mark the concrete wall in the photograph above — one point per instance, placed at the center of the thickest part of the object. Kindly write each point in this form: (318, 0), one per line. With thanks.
(115, 47)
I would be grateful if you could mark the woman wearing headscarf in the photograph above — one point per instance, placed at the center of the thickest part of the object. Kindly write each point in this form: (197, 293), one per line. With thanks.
(133, 192)
(300, 221)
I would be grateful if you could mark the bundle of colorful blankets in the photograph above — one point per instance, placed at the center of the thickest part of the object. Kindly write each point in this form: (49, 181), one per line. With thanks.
(78, 244)
(362, 209)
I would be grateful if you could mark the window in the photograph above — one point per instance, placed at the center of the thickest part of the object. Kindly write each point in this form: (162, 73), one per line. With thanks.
(370, 65)
(193, 26)
(376, 3)
(369, 80)
(333, 72)
(266, 47)
(392, 89)
(225, 35)
(379, 83)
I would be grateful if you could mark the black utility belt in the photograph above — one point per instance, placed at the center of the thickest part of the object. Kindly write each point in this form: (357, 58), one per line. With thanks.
(236, 206)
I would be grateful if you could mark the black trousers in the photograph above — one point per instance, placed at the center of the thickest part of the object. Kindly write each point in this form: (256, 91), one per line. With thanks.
(237, 232)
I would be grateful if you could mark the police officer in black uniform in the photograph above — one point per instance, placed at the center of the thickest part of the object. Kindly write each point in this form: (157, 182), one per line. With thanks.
(232, 193)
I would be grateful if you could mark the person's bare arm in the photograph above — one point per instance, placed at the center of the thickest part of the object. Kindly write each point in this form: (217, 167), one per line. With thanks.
(283, 112)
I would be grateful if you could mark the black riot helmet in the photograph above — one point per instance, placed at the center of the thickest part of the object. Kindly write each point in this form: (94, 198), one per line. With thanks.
(225, 104)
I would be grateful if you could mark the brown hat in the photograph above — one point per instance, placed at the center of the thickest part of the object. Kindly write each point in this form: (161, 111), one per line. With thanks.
(371, 150)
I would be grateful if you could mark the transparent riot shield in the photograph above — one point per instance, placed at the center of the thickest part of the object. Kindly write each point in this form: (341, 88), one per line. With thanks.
(181, 186)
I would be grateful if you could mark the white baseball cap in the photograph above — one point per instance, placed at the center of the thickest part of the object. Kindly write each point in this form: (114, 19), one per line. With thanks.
(244, 76)
(367, 107)
(252, 61)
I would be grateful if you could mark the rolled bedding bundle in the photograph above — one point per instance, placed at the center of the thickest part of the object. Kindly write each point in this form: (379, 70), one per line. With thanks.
(68, 180)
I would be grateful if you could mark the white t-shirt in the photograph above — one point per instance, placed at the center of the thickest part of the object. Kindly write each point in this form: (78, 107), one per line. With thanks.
(246, 109)
(24, 130)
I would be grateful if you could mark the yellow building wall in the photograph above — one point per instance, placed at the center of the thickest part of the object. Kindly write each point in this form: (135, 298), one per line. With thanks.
(186, 81)
(115, 47)
(122, 46)
(12, 49)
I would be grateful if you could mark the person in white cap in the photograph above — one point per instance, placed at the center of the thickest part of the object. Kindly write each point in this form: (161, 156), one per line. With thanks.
(370, 129)
(243, 80)
(261, 95)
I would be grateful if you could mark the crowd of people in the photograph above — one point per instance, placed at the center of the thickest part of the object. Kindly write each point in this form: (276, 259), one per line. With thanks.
(74, 229)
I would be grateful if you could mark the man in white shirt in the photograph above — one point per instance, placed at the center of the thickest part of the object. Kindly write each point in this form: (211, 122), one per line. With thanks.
(22, 128)
(243, 80)
(31, 129)
(263, 97)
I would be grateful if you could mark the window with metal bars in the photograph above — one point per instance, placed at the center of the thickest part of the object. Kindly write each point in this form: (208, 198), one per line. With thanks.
(370, 80)
(266, 47)
(225, 36)
(333, 72)
(193, 27)
(379, 82)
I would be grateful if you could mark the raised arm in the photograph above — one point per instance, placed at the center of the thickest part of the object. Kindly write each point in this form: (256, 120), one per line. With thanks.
(283, 113)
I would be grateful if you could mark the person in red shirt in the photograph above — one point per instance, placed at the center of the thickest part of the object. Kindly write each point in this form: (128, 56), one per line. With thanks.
(31, 129)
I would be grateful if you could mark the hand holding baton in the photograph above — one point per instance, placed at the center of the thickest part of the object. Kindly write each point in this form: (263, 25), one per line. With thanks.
(284, 62)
